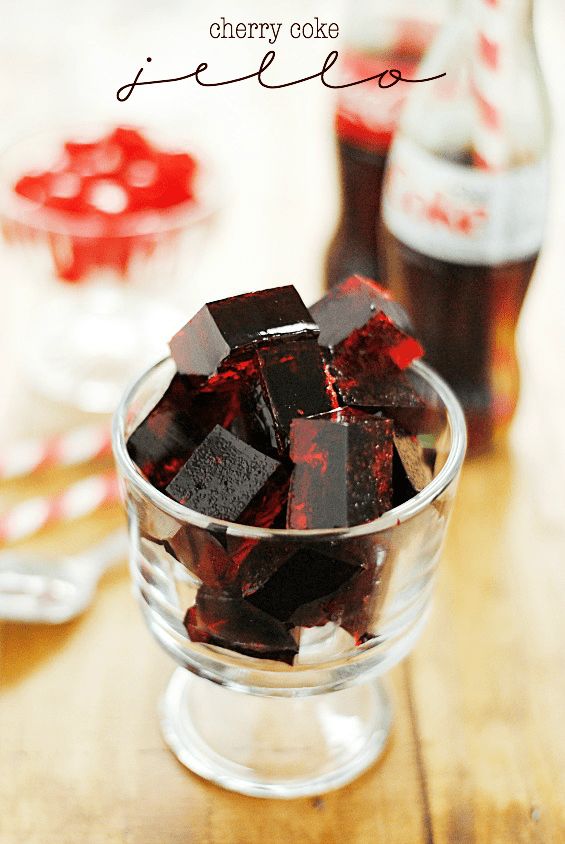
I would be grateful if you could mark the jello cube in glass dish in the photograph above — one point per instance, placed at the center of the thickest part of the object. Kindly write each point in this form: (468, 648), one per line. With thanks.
(104, 225)
(342, 473)
(231, 329)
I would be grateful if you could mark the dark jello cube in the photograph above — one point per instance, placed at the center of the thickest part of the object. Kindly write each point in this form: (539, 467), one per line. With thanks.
(295, 591)
(376, 347)
(314, 587)
(222, 477)
(203, 554)
(178, 423)
(254, 561)
(389, 389)
(343, 470)
(358, 603)
(268, 507)
(352, 606)
(352, 304)
(235, 326)
(225, 619)
(223, 560)
(294, 381)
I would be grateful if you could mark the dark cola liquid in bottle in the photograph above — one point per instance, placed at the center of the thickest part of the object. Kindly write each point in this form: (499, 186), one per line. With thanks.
(464, 205)
(380, 35)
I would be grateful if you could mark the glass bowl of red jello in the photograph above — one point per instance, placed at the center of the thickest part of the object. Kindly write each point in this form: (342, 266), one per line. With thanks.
(102, 227)
(288, 475)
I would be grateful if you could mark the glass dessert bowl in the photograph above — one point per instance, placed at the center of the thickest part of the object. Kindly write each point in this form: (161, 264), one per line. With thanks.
(311, 713)
(102, 226)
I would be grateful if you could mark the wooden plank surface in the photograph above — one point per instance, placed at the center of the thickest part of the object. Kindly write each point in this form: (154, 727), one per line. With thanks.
(478, 748)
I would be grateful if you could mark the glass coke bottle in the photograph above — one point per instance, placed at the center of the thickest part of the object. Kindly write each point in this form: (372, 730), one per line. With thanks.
(379, 34)
(464, 204)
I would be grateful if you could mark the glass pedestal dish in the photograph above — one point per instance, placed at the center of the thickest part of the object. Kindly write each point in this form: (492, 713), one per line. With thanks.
(104, 284)
(260, 726)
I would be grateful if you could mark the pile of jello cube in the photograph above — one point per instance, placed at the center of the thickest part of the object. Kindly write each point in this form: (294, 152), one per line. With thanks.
(281, 416)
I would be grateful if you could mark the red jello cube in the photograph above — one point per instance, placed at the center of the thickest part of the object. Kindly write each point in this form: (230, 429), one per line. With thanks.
(294, 381)
(203, 554)
(299, 590)
(366, 388)
(254, 561)
(178, 423)
(223, 477)
(225, 619)
(352, 304)
(101, 184)
(237, 325)
(321, 584)
(131, 141)
(160, 181)
(343, 470)
(376, 346)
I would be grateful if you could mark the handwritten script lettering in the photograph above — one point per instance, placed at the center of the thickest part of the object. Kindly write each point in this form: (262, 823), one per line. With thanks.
(386, 78)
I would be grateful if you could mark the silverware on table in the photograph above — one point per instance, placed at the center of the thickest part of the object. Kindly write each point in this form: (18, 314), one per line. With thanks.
(43, 590)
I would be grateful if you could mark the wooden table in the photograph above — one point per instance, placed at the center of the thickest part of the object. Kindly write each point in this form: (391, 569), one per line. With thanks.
(477, 753)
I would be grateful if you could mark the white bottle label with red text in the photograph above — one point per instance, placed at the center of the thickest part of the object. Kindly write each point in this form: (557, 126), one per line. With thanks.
(462, 214)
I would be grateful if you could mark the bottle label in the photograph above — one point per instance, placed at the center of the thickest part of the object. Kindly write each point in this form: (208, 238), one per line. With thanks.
(367, 114)
(462, 214)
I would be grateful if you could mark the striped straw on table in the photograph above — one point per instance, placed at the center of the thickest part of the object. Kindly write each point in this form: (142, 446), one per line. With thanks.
(79, 499)
(70, 448)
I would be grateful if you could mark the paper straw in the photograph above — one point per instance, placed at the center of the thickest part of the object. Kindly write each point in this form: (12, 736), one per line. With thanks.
(491, 37)
(78, 500)
(62, 450)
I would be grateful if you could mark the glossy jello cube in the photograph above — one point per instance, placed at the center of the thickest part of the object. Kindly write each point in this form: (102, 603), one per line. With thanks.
(234, 327)
(179, 422)
(351, 305)
(222, 477)
(377, 345)
(343, 470)
(225, 619)
(293, 381)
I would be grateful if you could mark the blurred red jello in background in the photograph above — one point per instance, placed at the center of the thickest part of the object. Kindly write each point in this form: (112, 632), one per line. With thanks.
(104, 185)
(104, 226)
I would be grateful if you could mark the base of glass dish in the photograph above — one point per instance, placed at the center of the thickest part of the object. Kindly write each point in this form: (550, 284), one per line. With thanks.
(274, 747)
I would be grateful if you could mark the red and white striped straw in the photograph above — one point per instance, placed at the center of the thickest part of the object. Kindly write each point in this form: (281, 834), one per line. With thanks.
(489, 81)
(78, 500)
(70, 448)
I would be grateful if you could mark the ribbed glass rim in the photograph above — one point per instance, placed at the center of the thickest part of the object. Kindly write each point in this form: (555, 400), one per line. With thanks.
(135, 224)
(390, 519)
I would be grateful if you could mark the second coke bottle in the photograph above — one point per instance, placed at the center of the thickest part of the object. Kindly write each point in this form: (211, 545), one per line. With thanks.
(379, 35)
